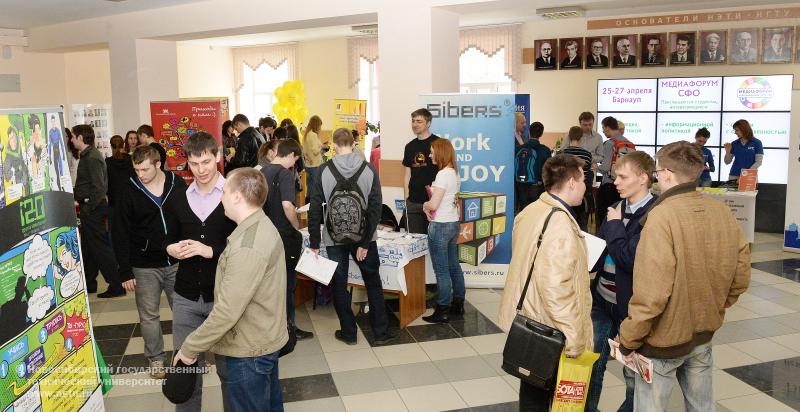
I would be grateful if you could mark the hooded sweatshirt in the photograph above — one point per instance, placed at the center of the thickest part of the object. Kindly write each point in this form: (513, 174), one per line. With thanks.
(119, 173)
(368, 182)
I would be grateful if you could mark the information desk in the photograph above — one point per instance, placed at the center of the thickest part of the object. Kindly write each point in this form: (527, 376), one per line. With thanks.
(402, 271)
(741, 204)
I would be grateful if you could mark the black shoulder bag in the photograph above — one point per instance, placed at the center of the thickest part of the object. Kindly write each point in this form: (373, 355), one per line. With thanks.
(533, 350)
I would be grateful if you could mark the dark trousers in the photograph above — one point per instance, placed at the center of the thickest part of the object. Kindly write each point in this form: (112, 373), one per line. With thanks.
(607, 195)
(97, 252)
(417, 220)
(527, 193)
(292, 247)
(533, 399)
(372, 281)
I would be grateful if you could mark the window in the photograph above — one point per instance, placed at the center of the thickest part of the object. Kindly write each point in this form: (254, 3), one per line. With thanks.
(257, 95)
(480, 73)
(368, 88)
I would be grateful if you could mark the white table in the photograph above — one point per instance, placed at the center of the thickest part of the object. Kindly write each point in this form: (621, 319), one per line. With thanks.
(743, 207)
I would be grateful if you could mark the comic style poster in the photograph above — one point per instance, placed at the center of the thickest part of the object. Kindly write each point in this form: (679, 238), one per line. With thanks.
(174, 122)
(47, 355)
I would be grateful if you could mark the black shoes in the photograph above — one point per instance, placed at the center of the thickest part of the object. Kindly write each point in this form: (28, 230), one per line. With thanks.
(302, 334)
(457, 307)
(339, 336)
(440, 315)
(385, 339)
(111, 293)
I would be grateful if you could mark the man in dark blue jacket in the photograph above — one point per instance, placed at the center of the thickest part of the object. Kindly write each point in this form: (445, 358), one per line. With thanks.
(613, 286)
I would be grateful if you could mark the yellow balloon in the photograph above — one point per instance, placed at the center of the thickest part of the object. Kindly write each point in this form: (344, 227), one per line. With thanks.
(276, 108)
(302, 114)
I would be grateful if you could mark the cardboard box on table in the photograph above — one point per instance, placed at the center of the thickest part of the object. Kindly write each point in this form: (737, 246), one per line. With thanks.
(482, 217)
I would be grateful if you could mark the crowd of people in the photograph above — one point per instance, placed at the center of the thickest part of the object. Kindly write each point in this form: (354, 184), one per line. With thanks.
(211, 247)
(674, 260)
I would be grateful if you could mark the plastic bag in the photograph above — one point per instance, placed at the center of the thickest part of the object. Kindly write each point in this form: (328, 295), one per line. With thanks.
(573, 382)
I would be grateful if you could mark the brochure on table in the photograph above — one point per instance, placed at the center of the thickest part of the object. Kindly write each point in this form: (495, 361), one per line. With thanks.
(47, 356)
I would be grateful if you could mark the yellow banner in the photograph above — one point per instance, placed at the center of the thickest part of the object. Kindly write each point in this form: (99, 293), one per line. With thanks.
(352, 115)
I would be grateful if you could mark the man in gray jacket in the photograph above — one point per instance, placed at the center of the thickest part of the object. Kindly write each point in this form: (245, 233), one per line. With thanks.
(361, 243)
(247, 327)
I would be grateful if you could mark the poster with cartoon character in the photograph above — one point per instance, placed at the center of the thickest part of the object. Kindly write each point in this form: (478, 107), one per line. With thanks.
(15, 171)
(57, 152)
(36, 155)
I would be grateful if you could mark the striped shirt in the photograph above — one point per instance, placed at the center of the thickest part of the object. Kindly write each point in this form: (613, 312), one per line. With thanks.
(584, 155)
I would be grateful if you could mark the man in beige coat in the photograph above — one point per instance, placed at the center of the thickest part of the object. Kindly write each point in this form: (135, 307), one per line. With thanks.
(558, 295)
(247, 327)
(692, 263)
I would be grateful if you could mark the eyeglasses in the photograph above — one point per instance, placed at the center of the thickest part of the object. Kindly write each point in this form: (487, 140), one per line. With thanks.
(655, 172)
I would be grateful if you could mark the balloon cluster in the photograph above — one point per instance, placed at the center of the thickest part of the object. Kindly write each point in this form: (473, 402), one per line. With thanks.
(291, 102)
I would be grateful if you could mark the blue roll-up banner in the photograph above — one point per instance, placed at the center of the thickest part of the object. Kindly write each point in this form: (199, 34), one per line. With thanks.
(523, 102)
(481, 128)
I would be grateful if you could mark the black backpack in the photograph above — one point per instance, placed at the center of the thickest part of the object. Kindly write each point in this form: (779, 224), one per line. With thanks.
(346, 219)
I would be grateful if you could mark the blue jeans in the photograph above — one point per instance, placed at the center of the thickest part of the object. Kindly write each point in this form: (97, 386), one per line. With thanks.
(444, 257)
(693, 372)
(606, 326)
(372, 282)
(251, 383)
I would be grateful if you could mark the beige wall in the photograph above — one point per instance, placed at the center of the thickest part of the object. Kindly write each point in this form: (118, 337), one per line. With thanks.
(557, 97)
(323, 67)
(205, 71)
(42, 79)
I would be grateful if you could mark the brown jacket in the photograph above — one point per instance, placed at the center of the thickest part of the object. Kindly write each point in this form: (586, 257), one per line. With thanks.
(692, 263)
(558, 295)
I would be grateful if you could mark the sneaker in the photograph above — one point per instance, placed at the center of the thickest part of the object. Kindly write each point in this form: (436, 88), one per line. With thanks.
(111, 293)
(157, 369)
(385, 339)
(339, 336)
(302, 334)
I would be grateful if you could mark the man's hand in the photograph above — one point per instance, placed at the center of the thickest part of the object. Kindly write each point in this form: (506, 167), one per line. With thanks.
(315, 252)
(189, 248)
(571, 354)
(129, 285)
(615, 213)
(174, 250)
(183, 358)
(361, 254)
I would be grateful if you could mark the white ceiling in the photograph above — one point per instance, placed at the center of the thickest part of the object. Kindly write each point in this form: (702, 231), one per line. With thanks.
(24, 14)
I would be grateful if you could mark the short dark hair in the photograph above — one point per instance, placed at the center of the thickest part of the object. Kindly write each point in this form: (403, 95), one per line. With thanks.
(86, 132)
(683, 37)
(279, 133)
(287, 122)
(342, 137)
(682, 158)
(536, 130)
(611, 123)
(575, 134)
(292, 133)
(146, 129)
(267, 122)
(288, 147)
(251, 183)
(703, 132)
(559, 169)
(33, 120)
(199, 143)
(424, 113)
(146, 152)
(240, 118)
(585, 116)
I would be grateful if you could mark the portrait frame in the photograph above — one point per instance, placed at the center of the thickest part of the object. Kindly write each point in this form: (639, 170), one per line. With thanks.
(704, 52)
(617, 63)
(734, 51)
(538, 62)
(661, 56)
(673, 48)
(767, 54)
(563, 55)
(605, 41)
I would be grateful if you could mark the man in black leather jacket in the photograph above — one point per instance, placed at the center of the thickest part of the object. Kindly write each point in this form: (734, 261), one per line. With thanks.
(247, 148)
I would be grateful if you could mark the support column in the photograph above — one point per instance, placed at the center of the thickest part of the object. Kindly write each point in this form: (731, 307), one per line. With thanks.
(141, 71)
(418, 49)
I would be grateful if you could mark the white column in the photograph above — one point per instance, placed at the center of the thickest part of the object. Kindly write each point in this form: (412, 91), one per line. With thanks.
(418, 49)
(141, 71)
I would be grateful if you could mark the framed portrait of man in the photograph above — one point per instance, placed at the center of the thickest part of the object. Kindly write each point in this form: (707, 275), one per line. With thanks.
(545, 54)
(652, 49)
(682, 48)
(777, 44)
(744, 45)
(570, 53)
(625, 47)
(597, 52)
(712, 46)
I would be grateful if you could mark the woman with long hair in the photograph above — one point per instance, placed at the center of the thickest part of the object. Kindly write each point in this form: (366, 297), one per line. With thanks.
(442, 233)
(312, 150)
(746, 152)
(131, 141)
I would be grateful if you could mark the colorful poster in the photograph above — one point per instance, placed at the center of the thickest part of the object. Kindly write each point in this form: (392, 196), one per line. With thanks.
(99, 117)
(174, 122)
(352, 115)
(481, 128)
(47, 357)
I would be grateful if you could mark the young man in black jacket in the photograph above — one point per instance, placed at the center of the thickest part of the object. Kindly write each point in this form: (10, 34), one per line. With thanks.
(197, 234)
(146, 138)
(613, 287)
(280, 209)
(247, 147)
(139, 232)
(365, 251)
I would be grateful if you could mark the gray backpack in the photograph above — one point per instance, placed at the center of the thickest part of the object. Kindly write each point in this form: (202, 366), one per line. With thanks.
(346, 219)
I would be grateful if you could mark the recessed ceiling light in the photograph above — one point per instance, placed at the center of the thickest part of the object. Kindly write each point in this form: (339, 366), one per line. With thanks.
(560, 12)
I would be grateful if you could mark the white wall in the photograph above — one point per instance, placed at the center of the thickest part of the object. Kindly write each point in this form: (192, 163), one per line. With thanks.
(205, 71)
(42, 79)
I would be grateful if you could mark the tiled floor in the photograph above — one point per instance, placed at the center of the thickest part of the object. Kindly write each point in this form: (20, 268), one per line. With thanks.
(457, 366)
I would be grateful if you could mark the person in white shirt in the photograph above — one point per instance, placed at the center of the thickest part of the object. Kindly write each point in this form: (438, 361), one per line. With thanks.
(442, 234)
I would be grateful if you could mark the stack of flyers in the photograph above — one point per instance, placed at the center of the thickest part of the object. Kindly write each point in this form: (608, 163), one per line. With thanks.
(430, 195)
(637, 363)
